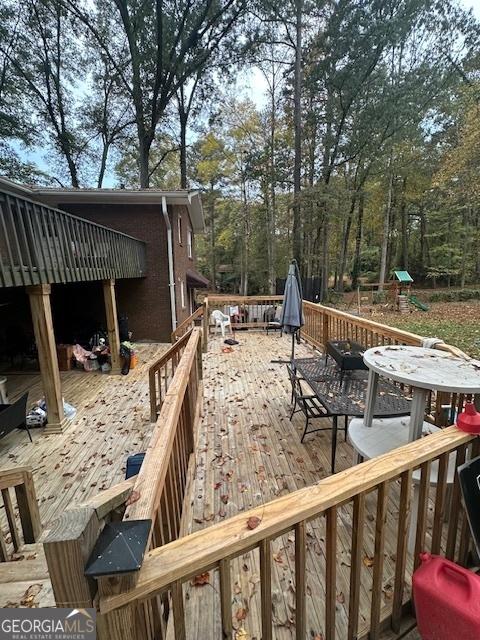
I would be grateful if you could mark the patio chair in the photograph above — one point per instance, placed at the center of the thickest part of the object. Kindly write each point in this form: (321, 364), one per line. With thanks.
(13, 416)
(312, 408)
(220, 320)
(293, 375)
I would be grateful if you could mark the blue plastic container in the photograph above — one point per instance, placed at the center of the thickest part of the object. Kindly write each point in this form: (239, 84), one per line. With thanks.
(134, 463)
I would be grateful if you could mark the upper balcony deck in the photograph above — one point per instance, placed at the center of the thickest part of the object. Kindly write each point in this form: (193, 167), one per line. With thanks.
(40, 245)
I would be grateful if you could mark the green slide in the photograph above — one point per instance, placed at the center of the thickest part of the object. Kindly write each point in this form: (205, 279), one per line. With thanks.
(416, 303)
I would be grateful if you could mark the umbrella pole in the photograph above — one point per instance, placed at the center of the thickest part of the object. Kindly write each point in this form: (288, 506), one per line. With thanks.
(291, 357)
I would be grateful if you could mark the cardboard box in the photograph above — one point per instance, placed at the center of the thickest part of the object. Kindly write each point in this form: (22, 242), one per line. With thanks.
(65, 356)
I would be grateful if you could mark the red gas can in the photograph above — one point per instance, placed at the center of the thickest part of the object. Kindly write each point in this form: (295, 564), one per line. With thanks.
(447, 600)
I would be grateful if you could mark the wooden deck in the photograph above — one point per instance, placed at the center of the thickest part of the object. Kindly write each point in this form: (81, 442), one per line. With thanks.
(112, 421)
(248, 452)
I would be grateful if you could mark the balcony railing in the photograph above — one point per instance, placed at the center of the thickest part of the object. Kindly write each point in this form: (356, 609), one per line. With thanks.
(39, 244)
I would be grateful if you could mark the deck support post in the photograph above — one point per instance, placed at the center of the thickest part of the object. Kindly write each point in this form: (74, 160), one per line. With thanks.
(112, 324)
(39, 297)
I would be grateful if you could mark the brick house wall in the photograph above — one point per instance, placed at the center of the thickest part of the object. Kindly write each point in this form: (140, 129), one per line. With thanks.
(146, 301)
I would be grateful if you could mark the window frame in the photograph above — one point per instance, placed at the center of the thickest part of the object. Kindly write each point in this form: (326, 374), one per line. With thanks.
(182, 294)
(179, 228)
(190, 243)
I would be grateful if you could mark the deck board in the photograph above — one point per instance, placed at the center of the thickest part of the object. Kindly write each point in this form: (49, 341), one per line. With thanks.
(249, 453)
(112, 421)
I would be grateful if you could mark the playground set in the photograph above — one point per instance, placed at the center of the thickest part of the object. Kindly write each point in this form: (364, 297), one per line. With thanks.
(398, 294)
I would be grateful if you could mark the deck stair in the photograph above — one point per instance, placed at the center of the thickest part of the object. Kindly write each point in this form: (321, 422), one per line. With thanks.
(24, 579)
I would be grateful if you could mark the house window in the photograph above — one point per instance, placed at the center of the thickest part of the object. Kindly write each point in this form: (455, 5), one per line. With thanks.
(190, 243)
(179, 222)
(182, 294)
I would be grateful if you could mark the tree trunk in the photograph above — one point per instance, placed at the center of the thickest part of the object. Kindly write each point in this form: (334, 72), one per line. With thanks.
(358, 241)
(143, 161)
(386, 227)
(73, 172)
(404, 228)
(325, 265)
(246, 238)
(423, 243)
(213, 265)
(103, 165)
(297, 109)
(272, 210)
(183, 150)
(466, 248)
(344, 245)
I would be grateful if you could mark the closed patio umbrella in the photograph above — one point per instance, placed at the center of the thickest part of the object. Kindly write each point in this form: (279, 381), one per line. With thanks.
(292, 314)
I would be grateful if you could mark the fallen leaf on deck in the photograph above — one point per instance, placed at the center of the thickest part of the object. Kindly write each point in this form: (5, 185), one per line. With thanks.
(367, 561)
(30, 594)
(201, 579)
(253, 522)
(133, 497)
(241, 614)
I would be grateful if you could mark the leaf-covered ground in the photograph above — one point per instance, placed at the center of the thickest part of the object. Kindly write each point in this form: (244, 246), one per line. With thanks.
(457, 323)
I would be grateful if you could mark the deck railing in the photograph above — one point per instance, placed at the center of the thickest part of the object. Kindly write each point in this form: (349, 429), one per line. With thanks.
(40, 244)
(334, 500)
(161, 372)
(188, 324)
(246, 312)
(325, 323)
(156, 495)
(20, 479)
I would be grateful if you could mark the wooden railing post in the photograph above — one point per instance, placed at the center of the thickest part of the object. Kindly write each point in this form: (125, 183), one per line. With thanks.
(120, 624)
(28, 509)
(67, 548)
(325, 336)
(153, 395)
(206, 320)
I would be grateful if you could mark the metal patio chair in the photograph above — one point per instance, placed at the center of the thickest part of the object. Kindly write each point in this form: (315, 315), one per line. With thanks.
(312, 408)
(14, 416)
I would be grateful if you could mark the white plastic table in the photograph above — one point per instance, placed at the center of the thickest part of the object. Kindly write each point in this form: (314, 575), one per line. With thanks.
(422, 369)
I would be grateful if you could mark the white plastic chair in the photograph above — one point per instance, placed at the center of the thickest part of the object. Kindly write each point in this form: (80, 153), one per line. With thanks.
(220, 320)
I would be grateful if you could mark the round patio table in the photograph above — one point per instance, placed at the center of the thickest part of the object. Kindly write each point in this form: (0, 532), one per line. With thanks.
(422, 369)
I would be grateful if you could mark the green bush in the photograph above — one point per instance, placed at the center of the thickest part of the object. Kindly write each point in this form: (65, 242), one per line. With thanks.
(333, 297)
(379, 297)
(460, 295)
(371, 276)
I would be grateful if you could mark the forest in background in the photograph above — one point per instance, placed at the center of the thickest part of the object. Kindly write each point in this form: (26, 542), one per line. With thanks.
(362, 156)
